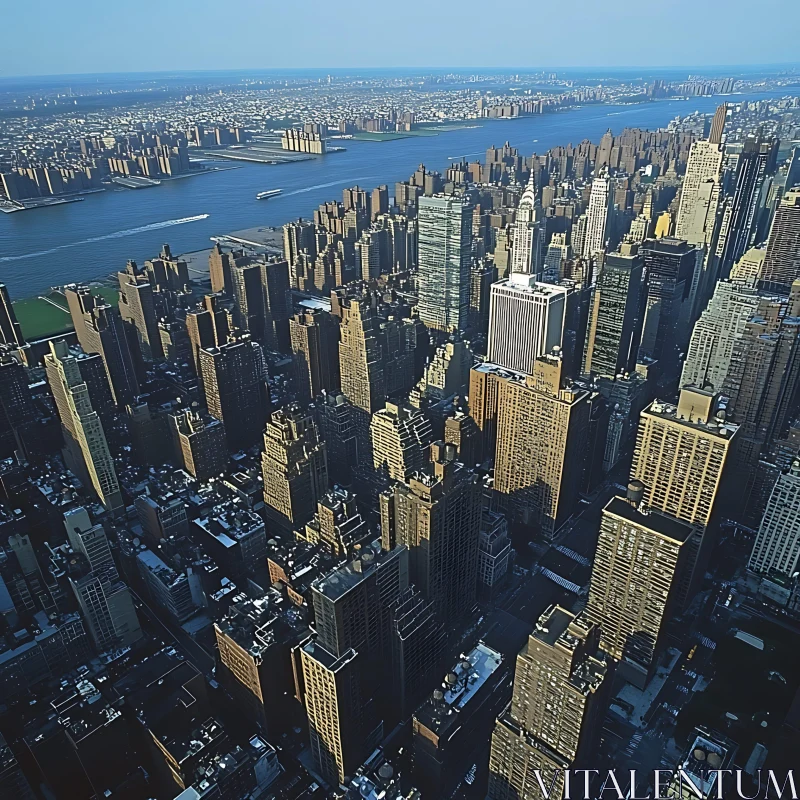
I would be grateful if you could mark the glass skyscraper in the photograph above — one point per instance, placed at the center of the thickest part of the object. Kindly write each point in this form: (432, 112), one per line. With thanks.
(445, 254)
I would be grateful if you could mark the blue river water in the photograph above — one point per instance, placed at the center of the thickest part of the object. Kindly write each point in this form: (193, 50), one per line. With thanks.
(80, 241)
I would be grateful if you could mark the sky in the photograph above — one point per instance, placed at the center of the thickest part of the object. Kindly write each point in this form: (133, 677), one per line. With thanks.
(52, 37)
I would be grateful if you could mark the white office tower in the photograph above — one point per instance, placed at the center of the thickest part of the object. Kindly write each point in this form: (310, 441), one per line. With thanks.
(528, 234)
(715, 332)
(526, 320)
(777, 545)
(597, 216)
(445, 255)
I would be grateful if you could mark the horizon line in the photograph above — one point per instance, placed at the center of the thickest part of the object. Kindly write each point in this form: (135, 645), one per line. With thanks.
(454, 68)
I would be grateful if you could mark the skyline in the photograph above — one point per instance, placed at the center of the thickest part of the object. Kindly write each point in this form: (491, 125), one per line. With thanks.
(382, 37)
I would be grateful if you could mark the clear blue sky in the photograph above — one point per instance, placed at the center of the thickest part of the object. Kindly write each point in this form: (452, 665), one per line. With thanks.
(46, 37)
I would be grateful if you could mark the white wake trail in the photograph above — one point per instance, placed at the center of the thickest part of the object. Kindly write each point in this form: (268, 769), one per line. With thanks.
(154, 226)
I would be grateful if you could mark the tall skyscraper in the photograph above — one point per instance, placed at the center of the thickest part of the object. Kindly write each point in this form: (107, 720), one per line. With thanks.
(10, 330)
(670, 265)
(555, 715)
(527, 251)
(345, 665)
(99, 329)
(294, 468)
(738, 219)
(445, 255)
(248, 298)
(277, 303)
(314, 336)
(638, 582)
(85, 447)
(702, 187)
(723, 322)
(680, 457)
(782, 259)
(436, 514)
(615, 317)
(234, 379)
(598, 214)
(208, 326)
(542, 428)
(763, 374)
(361, 355)
(137, 308)
(777, 544)
(18, 415)
(526, 320)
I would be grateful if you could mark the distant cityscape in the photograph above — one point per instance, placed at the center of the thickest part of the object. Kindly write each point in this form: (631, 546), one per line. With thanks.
(450, 488)
(53, 151)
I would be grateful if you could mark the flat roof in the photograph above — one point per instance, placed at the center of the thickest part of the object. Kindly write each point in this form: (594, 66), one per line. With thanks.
(652, 520)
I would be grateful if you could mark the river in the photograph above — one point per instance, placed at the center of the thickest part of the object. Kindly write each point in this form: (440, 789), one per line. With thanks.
(43, 247)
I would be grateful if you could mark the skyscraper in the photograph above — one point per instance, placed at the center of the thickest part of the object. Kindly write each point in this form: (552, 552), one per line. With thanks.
(294, 468)
(722, 323)
(764, 370)
(680, 457)
(702, 187)
(738, 218)
(199, 443)
(445, 255)
(85, 447)
(598, 214)
(99, 329)
(234, 379)
(615, 317)
(782, 259)
(526, 320)
(248, 298)
(18, 415)
(527, 250)
(554, 718)
(542, 428)
(277, 303)
(670, 265)
(10, 330)
(777, 544)
(347, 662)
(361, 355)
(638, 582)
(314, 336)
(436, 514)
(208, 326)
(137, 308)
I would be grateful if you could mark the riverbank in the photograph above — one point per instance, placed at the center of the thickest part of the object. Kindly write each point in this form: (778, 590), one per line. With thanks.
(78, 242)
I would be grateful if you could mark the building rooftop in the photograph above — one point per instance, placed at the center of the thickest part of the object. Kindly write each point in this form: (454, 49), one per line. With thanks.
(655, 521)
(256, 625)
(465, 680)
(345, 577)
(716, 426)
(707, 753)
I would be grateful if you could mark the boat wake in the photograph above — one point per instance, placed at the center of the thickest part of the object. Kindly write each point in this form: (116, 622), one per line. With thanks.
(326, 185)
(154, 226)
